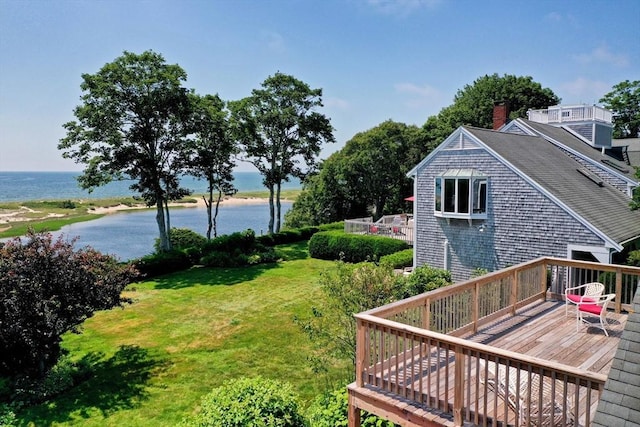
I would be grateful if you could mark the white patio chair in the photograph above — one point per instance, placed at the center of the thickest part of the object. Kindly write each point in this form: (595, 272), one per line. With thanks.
(522, 395)
(587, 293)
(598, 309)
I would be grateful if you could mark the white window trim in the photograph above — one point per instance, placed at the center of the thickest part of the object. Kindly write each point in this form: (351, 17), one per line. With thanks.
(470, 175)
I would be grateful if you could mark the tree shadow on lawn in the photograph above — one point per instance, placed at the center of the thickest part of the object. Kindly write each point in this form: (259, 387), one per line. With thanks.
(212, 276)
(117, 383)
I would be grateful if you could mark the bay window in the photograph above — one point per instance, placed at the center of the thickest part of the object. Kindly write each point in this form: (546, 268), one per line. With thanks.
(461, 193)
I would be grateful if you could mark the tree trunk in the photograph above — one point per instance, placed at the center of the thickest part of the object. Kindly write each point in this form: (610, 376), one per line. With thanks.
(271, 209)
(164, 241)
(168, 229)
(215, 215)
(278, 207)
(207, 203)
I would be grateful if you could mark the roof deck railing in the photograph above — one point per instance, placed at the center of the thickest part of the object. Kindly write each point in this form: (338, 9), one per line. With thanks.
(571, 113)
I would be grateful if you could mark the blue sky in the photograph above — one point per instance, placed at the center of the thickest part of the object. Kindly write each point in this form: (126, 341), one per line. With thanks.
(374, 59)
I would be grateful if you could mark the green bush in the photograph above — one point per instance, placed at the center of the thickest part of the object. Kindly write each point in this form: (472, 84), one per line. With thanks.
(399, 259)
(424, 279)
(162, 263)
(330, 410)
(336, 245)
(634, 258)
(183, 238)
(67, 204)
(7, 416)
(244, 241)
(249, 402)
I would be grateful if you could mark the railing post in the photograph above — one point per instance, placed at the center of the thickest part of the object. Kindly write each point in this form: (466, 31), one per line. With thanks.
(543, 280)
(618, 305)
(514, 292)
(458, 393)
(476, 306)
(361, 351)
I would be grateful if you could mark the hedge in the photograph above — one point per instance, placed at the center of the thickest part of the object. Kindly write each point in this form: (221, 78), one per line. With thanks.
(399, 259)
(336, 245)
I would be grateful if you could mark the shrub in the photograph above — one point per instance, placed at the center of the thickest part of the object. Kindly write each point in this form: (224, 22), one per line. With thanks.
(399, 259)
(183, 238)
(244, 241)
(330, 410)
(255, 402)
(46, 289)
(424, 279)
(67, 204)
(334, 245)
(634, 258)
(162, 263)
(7, 416)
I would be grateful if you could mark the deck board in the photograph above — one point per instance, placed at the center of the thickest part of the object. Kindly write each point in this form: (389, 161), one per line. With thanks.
(541, 330)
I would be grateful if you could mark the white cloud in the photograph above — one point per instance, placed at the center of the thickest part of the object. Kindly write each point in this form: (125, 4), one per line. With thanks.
(337, 103)
(420, 95)
(275, 42)
(602, 54)
(583, 90)
(401, 7)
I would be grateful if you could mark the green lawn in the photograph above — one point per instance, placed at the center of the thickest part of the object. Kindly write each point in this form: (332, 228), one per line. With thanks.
(184, 335)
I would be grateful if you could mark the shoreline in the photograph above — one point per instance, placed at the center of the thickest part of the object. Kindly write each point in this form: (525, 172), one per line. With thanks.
(17, 217)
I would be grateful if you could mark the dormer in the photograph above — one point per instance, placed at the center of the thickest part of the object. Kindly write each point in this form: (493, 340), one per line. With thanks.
(591, 123)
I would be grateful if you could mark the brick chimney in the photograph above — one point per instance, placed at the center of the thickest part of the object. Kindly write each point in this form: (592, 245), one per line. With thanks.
(500, 114)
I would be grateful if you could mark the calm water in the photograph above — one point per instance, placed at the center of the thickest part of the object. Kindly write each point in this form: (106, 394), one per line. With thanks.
(132, 234)
(21, 186)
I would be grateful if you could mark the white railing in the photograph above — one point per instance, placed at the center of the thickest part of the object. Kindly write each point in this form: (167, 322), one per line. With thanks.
(387, 226)
(570, 114)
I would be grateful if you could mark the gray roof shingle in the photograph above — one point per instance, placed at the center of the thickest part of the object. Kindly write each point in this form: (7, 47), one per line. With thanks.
(604, 207)
(619, 404)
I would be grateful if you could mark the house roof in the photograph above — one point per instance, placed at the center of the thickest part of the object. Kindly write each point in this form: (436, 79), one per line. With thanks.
(599, 204)
(620, 401)
(574, 143)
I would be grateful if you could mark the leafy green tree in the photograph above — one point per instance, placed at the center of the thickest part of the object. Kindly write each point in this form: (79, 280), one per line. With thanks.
(473, 104)
(624, 102)
(46, 289)
(133, 122)
(212, 154)
(280, 133)
(367, 177)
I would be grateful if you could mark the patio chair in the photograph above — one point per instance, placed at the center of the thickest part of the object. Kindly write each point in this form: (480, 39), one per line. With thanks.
(597, 308)
(523, 395)
(587, 293)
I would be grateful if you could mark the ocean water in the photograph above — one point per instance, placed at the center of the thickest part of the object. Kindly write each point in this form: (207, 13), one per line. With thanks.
(22, 186)
(132, 234)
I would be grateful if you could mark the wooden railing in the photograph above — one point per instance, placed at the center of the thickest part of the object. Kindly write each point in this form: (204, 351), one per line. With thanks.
(383, 227)
(411, 348)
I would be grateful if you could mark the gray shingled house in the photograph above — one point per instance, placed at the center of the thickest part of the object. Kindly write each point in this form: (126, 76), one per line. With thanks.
(490, 199)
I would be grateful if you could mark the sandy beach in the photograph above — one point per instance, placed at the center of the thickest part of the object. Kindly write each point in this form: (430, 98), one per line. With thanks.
(24, 213)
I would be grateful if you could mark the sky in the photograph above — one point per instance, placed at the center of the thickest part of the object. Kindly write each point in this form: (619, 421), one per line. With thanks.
(374, 60)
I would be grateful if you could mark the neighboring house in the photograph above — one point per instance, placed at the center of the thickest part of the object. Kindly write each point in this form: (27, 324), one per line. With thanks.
(490, 199)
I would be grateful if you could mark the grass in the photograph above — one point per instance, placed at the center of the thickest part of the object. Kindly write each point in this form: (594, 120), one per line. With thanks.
(185, 334)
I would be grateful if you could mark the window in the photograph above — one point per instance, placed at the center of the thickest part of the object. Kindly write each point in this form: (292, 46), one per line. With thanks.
(461, 193)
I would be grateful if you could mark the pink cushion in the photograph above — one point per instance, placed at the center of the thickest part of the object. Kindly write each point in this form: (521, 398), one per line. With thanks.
(591, 308)
(578, 298)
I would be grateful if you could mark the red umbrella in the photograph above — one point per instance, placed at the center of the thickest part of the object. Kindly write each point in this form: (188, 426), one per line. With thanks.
(410, 199)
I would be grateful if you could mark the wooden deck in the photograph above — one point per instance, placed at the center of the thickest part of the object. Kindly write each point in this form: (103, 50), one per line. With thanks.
(541, 330)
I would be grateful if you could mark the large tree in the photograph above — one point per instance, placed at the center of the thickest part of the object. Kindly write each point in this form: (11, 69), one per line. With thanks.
(281, 133)
(366, 178)
(46, 289)
(624, 102)
(212, 154)
(132, 123)
(473, 104)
